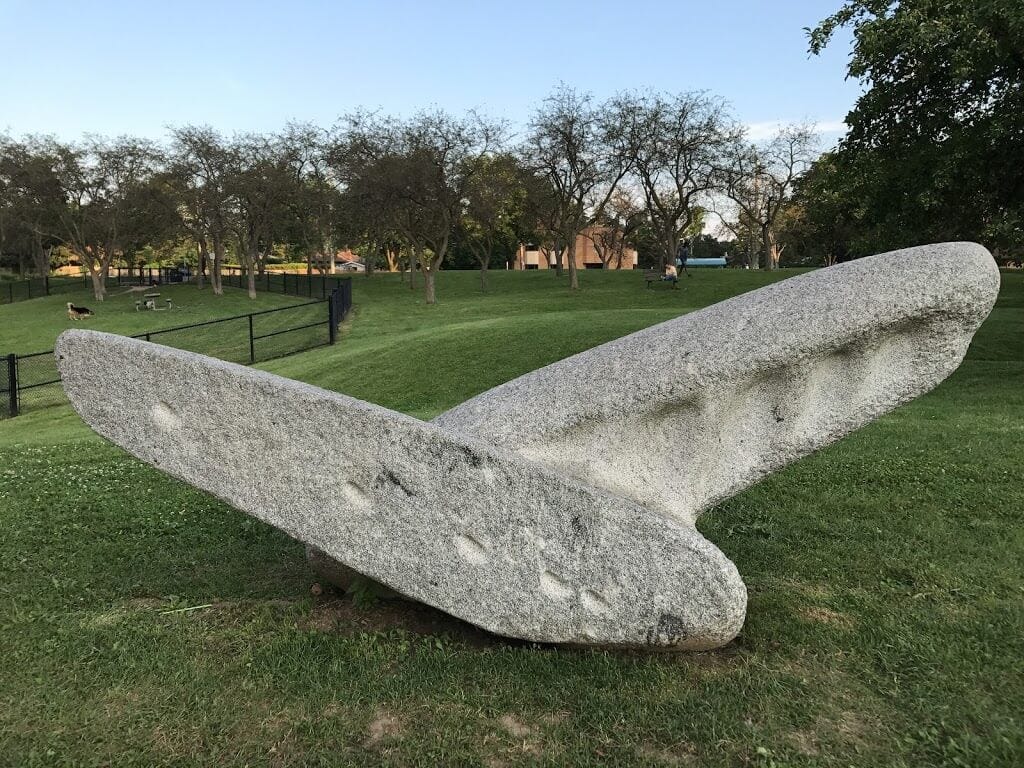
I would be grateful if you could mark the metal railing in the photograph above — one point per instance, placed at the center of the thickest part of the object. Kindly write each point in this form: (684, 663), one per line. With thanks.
(31, 381)
(293, 284)
(12, 291)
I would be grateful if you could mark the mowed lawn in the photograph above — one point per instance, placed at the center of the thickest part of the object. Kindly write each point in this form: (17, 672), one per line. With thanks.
(886, 579)
(32, 326)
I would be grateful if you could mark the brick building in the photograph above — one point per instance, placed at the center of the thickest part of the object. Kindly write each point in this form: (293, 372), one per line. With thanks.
(530, 256)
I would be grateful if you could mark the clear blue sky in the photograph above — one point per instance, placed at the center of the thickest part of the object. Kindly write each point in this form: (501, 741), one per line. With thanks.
(116, 67)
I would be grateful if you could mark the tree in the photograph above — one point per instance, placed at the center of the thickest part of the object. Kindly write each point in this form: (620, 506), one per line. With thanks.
(495, 198)
(579, 148)
(260, 183)
(759, 180)
(818, 223)
(107, 199)
(31, 199)
(313, 206)
(359, 155)
(936, 140)
(419, 171)
(199, 165)
(623, 216)
(676, 147)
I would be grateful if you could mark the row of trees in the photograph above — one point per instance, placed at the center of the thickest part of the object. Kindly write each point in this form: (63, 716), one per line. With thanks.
(932, 154)
(640, 168)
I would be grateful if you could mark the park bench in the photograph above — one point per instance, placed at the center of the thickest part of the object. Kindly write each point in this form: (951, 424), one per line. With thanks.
(654, 276)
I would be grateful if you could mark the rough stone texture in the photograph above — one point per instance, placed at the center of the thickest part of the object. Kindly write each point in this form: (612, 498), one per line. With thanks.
(709, 403)
(547, 509)
(450, 521)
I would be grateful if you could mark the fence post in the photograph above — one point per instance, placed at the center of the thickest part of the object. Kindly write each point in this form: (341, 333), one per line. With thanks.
(12, 378)
(332, 318)
(252, 343)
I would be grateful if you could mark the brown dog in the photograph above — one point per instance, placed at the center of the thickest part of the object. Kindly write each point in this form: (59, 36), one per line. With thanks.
(78, 313)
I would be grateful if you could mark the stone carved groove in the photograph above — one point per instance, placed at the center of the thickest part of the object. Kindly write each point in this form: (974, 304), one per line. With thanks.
(549, 508)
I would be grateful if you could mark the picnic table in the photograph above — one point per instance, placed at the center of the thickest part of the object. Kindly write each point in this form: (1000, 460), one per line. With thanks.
(150, 302)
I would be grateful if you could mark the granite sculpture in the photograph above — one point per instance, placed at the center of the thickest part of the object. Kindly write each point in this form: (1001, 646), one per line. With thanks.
(552, 508)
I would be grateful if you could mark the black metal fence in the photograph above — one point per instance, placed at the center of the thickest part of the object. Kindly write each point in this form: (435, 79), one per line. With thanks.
(148, 275)
(8, 388)
(23, 290)
(313, 286)
(28, 382)
(290, 283)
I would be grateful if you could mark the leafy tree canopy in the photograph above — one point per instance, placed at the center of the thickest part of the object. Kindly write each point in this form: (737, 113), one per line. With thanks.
(937, 139)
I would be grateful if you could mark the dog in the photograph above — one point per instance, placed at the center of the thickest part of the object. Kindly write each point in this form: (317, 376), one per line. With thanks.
(78, 313)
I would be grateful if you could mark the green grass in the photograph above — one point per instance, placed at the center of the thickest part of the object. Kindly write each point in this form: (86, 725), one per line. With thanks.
(885, 625)
(33, 326)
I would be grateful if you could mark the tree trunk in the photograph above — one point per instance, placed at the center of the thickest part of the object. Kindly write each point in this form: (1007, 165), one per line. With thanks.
(216, 278)
(98, 283)
(557, 253)
(574, 280)
(414, 261)
(767, 247)
(204, 257)
(484, 263)
(250, 273)
(108, 257)
(309, 263)
(428, 286)
(41, 257)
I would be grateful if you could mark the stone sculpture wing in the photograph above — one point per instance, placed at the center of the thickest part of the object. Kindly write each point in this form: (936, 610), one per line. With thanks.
(547, 508)
(689, 412)
(445, 519)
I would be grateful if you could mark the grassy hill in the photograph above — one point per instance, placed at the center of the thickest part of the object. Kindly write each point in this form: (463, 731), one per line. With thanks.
(885, 625)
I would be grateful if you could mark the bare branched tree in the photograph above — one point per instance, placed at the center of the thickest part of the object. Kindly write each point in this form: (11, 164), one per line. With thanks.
(613, 233)
(578, 147)
(760, 179)
(677, 146)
